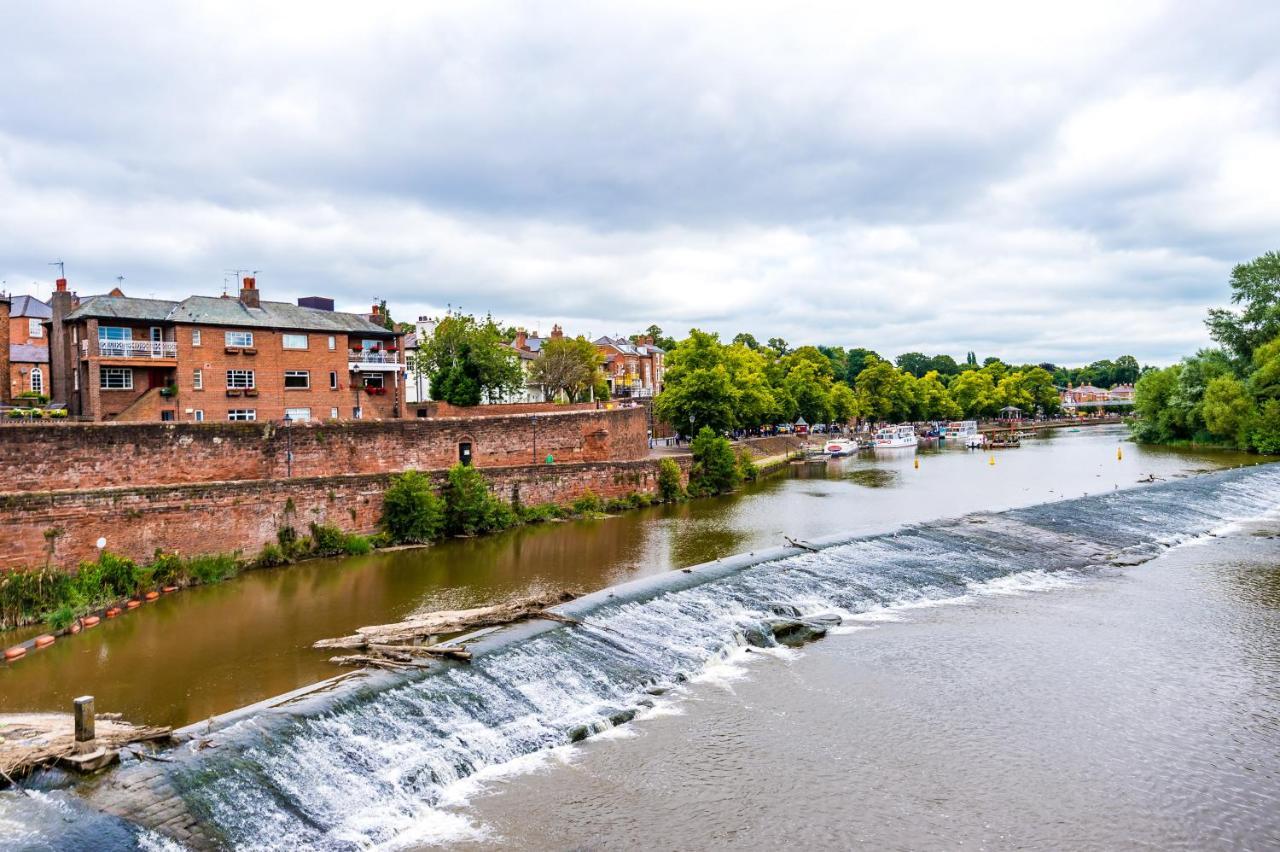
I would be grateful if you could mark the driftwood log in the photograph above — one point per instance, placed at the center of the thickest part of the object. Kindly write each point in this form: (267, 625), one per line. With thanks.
(29, 741)
(400, 646)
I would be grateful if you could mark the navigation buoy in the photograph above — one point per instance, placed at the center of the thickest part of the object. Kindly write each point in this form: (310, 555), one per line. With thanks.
(992, 460)
(1119, 453)
(917, 464)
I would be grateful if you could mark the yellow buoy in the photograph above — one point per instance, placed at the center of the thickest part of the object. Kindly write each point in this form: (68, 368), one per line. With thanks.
(1119, 453)
(917, 464)
(992, 460)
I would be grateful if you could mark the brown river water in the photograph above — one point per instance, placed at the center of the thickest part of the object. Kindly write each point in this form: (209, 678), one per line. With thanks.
(1109, 708)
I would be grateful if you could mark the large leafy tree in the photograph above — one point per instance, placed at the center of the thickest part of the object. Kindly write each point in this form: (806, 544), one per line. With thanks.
(975, 392)
(932, 401)
(855, 361)
(468, 362)
(885, 392)
(915, 363)
(1255, 287)
(699, 389)
(1228, 409)
(569, 365)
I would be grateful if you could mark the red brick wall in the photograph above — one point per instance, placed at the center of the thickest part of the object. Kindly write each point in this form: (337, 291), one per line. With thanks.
(100, 455)
(219, 518)
(4, 348)
(444, 409)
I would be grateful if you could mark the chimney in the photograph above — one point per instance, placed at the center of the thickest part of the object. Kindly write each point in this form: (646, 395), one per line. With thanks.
(61, 285)
(376, 313)
(62, 356)
(556, 332)
(522, 339)
(249, 293)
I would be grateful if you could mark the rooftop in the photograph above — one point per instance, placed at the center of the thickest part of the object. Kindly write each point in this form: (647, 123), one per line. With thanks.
(28, 306)
(210, 310)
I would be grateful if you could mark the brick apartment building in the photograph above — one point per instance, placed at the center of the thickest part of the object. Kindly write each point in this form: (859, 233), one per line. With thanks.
(632, 369)
(218, 359)
(27, 348)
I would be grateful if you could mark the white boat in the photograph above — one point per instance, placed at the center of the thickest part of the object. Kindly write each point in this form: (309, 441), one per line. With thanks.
(965, 432)
(840, 447)
(895, 437)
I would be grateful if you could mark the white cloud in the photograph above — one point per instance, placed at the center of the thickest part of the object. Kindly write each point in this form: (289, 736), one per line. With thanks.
(1041, 183)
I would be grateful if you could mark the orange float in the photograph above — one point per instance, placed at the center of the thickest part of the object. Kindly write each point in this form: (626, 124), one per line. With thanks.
(134, 604)
(113, 612)
(168, 589)
(151, 595)
(15, 652)
(90, 620)
(75, 627)
(44, 641)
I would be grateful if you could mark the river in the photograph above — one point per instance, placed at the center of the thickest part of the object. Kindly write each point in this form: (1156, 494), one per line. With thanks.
(991, 684)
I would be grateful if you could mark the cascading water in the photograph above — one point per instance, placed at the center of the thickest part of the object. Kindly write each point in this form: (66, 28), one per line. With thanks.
(375, 765)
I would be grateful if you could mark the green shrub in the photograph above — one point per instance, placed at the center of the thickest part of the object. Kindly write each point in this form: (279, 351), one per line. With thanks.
(748, 471)
(588, 504)
(62, 617)
(715, 470)
(212, 569)
(327, 540)
(411, 511)
(287, 537)
(540, 513)
(270, 556)
(119, 574)
(356, 545)
(617, 504)
(38, 397)
(470, 507)
(168, 569)
(670, 488)
(58, 413)
(26, 595)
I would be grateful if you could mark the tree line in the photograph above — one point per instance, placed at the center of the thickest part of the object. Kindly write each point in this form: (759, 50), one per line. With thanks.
(1227, 395)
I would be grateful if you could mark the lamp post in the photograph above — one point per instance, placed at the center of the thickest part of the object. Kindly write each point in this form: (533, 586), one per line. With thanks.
(691, 429)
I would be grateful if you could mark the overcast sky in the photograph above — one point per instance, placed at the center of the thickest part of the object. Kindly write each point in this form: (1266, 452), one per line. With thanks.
(1038, 182)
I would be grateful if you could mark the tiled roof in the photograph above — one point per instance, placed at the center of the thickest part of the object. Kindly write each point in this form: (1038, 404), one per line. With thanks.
(29, 306)
(28, 353)
(209, 310)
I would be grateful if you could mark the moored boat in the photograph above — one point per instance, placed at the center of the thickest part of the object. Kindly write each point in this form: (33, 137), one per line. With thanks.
(896, 437)
(840, 447)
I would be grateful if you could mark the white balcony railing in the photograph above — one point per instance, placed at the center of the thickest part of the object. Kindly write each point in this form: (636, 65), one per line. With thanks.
(373, 357)
(137, 349)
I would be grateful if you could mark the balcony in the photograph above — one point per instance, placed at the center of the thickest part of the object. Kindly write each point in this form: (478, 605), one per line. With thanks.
(374, 361)
(134, 348)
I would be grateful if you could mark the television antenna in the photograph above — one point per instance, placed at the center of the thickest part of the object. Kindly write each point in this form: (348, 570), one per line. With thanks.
(62, 268)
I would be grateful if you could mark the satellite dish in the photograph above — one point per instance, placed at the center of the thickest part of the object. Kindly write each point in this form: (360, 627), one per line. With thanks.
(101, 543)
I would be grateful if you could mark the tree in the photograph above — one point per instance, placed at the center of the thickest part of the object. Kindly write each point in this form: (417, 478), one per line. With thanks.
(569, 365)
(915, 363)
(1125, 371)
(467, 361)
(1256, 287)
(715, 469)
(723, 387)
(845, 405)
(884, 393)
(944, 365)
(857, 360)
(971, 359)
(747, 340)
(975, 392)
(932, 401)
(659, 340)
(411, 511)
(810, 387)
(470, 507)
(1228, 409)
(1264, 382)
(385, 316)
(779, 346)
(1152, 398)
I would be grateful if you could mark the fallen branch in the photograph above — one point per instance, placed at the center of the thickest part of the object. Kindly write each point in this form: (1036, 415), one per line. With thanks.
(791, 541)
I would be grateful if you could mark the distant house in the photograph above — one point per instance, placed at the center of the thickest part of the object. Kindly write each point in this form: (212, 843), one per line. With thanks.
(632, 369)
(28, 346)
(1121, 393)
(230, 359)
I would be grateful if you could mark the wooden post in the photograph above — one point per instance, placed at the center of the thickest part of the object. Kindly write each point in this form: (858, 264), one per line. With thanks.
(84, 719)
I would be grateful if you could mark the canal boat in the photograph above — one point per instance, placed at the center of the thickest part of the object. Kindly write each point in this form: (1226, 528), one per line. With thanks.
(963, 432)
(837, 447)
(896, 437)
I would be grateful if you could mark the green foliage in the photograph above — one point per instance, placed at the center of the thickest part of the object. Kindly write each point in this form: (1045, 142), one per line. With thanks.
(62, 617)
(541, 513)
(468, 361)
(327, 540)
(1255, 286)
(470, 507)
(271, 556)
(670, 488)
(411, 511)
(167, 569)
(1265, 433)
(569, 366)
(1228, 409)
(213, 568)
(748, 470)
(715, 468)
(356, 545)
(588, 504)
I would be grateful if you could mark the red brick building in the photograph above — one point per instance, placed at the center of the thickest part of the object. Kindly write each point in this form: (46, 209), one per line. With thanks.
(218, 359)
(632, 369)
(27, 348)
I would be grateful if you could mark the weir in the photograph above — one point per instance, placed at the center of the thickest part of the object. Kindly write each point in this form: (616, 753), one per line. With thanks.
(369, 758)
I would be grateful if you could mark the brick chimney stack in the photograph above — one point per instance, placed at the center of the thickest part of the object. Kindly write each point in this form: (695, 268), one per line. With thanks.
(60, 285)
(556, 332)
(62, 357)
(376, 313)
(249, 296)
(522, 339)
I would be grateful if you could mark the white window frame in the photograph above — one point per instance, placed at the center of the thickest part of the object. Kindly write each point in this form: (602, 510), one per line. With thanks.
(333, 414)
(284, 341)
(333, 380)
(293, 414)
(195, 337)
(34, 328)
(197, 379)
(374, 380)
(333, 342)
(241, 380)
(198, 415)
(242, 415)
(305, 374)
(105, 334)
(239, 339)
(119, 372)
(37, 380)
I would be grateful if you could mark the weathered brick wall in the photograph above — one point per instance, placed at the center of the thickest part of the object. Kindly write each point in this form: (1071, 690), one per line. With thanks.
(444, 409)
(4, 348)
(81, 456)
(226, 516)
